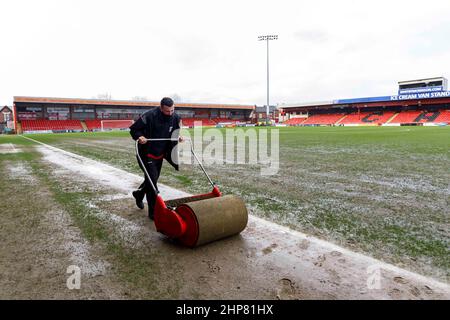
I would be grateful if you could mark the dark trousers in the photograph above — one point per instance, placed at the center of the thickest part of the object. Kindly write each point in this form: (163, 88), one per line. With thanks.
(154, 169)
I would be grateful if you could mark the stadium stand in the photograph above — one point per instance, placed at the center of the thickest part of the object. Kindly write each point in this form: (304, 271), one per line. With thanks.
(406, 116)
(419, 102)
(189, 122)
(325, 119)
(443, 117)
(54, 125)
(107, 124)
(46, 113)
(224, 120)
(294, 121)
(93, 125)
(377, 117)
(96, 125)
(427, 116)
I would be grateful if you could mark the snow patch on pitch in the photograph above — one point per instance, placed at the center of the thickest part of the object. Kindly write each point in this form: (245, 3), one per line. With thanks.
(8, 148)
(101, 172)
(354, 265)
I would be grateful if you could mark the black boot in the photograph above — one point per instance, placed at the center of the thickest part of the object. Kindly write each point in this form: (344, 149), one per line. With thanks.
(139, 197)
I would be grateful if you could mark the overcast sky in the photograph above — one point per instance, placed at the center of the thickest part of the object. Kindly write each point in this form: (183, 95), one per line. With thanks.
(207, 51)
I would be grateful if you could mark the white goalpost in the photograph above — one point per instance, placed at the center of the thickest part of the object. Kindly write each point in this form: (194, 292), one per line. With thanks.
(108, 125)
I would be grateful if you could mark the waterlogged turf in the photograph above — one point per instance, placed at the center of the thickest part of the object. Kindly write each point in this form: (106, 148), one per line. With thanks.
(383, 191)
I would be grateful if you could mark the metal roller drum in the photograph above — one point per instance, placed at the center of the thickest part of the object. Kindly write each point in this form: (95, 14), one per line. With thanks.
(197, 219)
(212, 219)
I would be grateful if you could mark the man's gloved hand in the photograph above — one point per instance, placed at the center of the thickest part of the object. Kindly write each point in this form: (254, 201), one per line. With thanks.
(142, 140)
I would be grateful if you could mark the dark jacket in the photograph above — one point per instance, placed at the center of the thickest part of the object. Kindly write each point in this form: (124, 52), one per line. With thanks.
(154, 124)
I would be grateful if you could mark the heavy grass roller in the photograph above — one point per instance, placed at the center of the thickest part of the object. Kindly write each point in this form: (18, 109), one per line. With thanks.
(198, 219)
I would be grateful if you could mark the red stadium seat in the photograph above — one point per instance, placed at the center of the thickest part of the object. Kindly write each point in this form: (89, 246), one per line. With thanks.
(406, 117)
(55, 125)
(324, 119)
(294, 121)
(190, 122)
(107, 124)
(444, 117)
(367, 118)
(93, 124)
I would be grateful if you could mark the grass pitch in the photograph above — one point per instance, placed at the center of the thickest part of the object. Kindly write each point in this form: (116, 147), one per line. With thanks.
(383, 191)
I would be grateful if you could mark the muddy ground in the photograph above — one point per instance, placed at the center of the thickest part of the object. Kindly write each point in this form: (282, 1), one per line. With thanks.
(77, 211)
(377, 191)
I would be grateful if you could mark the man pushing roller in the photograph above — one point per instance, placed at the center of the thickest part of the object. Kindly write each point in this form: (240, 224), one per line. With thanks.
(158, 123)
